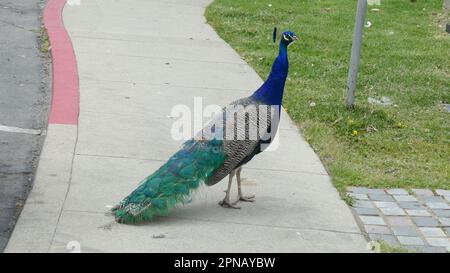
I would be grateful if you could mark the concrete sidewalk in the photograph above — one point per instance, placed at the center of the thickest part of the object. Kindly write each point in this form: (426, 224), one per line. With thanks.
(137, 59)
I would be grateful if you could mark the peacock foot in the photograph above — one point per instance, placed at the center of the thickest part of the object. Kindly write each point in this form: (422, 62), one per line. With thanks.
(226, 204)
(242, 198)
(250, 198)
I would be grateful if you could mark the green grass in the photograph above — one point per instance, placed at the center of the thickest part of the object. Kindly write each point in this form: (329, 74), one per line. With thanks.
(44, 42)
(405, 56)
(386, 248)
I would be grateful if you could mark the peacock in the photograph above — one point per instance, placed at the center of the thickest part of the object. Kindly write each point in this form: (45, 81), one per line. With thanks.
(231, 139)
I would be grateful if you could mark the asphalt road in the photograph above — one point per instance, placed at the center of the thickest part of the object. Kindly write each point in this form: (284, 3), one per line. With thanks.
(24, 103)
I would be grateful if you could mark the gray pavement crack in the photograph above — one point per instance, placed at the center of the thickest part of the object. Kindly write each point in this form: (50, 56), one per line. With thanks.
(88, 78)
(16, 26)
(238, 223)
(163, 160)
(67, 192)
(168, 59)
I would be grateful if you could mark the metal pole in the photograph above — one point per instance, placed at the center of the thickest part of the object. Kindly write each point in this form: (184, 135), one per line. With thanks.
(356, 49)
(447, 4)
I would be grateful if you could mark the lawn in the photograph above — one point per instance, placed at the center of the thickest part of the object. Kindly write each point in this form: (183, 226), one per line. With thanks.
(405, 56)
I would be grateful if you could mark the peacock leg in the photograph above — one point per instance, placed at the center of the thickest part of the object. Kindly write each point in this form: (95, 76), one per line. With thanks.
(241, 197)
(226, 201)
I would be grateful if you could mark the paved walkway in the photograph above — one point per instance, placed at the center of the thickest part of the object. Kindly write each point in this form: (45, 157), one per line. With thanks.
(419, 221)
(136, 60)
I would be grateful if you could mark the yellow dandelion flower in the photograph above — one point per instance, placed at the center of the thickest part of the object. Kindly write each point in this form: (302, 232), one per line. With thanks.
(401, 125)
(354, 132)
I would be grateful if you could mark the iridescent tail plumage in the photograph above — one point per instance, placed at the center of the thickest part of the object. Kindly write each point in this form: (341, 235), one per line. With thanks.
(172, 183)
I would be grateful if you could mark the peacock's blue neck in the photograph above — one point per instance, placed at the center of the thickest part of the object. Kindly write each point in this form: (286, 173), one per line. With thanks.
(271, 92)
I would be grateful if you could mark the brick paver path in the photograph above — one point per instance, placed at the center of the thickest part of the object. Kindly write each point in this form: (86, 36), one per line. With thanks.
(418, 220)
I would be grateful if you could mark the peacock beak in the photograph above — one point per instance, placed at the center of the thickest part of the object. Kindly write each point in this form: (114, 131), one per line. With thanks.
(295, 38)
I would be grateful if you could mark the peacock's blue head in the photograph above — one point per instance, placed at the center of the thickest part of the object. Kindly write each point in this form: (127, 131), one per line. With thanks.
(288, 37)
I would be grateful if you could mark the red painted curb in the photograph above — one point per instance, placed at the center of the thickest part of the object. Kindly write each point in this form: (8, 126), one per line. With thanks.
(66, 96)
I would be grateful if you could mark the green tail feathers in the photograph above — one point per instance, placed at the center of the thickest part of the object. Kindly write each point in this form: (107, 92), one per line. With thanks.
(172, 183)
